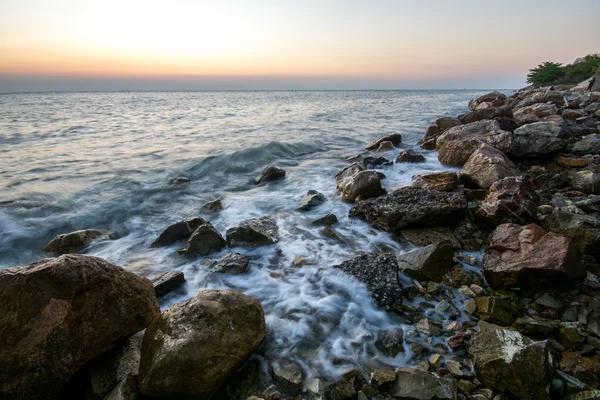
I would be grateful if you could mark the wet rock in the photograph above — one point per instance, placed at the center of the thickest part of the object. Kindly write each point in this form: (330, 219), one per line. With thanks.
(261, 231)
(379, 273)
(427, 327)
(535, 327)
(366, 184)
(192, 348)
(59, 313)
(315, 389)
(205, 239)
(443, 181)
(589, 144)
(390, 341)
(457, 277)
(495, 99)
(212, 206)
(167, 282)
(486, 166)
(584, 395)
(584, 230)
(346, 173)
(386, 146)
(372, 162)
(467, 131)
(427, 236)
(127, 389)
(380, 377)
(340, 390)
(331, 234)
(447, 123)
(587, 181)
(428, 142)
(511, 199)
(497, 310)
(428, 263)
(572, 162)
(311, 200)
(180, 180)
(585, 369)
(288, 375)
(416, 384)
(505, 360)
(411, 207)
(74, 241)
(537, 139)
(568, 335)
(232, 263)
(529, 255)
(270, 173)
(395, 139)
(180, 230)
(327, 220)
(410, 156)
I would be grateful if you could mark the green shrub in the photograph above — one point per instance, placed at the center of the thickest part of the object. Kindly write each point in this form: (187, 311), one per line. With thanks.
(552, 73)
(545, 74)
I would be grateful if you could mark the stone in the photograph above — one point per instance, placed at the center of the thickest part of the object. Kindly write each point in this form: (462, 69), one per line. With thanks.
(470, 306)
(568, 335)
(585, 369)
(415, 384)
(428, 142)
(366, 184)
(410, 156)
(571, 162)
(427, 236)
(447, 123)
(584, 395)
(427, 328)
(205, 239)
(59, 313)
(270, 173)
(74, 241)
(213, 206)
(496, 310)
(288, 376)
(457, 277)
(380, 377)
(486, 166)
(521, 256)
(327, 220)
(534, 327)
(390, 341)
(584, 230)
(315, 389)
(346, 173)
(487, 113)
(587, 181)
(386, 146)
(537, 139)
(443, 181)
(457, 152)
(379, 273)
(572, 115)
(192, 348)
(166, 282)
(372, 162)
(534, 112)
(411, 208)
(232, 263)
(511, 199)
(180, 230)
(340, 390)
(127, 389)
(261, 231)
(395, 139)
(505, 360)
(467, 131)
(546, 300)
(455, 368)
(311, 200)
(331, 234)
(495, 99)
(589, 144)
(429, 263)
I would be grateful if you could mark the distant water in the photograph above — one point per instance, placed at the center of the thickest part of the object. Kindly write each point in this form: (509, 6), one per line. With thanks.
(71, 161)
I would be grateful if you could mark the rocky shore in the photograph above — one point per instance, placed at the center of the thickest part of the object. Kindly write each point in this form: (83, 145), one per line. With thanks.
(502, 295)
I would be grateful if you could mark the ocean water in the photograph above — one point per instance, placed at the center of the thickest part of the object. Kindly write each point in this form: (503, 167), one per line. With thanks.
(107, 161)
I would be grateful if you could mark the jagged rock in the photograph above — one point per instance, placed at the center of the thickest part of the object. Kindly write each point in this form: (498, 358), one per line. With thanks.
(327, 220)
(311, 200)
(380, 377)
(568, 335)
(589, 144)
(331, 234)
(584, 230)
(587, 181)
(315, 389)
(487, 114)
(180, 230)
(395, 139)
(411, 207)
(520, 256)
(340, 390)
(270, 173)
(386, 146)
(511, 199)
(505, 360)
(572, 162)
(537, 139)
(585, 369)
(428, 142)
(346, 173)
(410, 156)
(59, 313)
(495, 98)
(461, 132)
(390, 341)
(192, 348)
(572, 115)
(534, 112)
(447, 123)
(205, 239)
(365, 184)
(379, 272)
(421, 385)
(429, 263)
(73, 242)
(167, 282)
(212, 206)
(261, 231)
(457, 152)
(443, 181)
(288, 375)
(535, 327)
(127, 389)
(496, 310)
(427, 236)
(372, 162)
(486, 166)
(232, 263)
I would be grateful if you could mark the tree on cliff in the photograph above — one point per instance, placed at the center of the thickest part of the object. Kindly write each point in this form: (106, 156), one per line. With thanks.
(551, 73)
(545, 74)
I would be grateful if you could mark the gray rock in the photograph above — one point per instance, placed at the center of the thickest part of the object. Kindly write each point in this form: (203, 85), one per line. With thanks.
(167, 282)
(415, 384)
(535, 327)
(386, 146)
(254, 232)
(410, 156)
(465, 131)
(311, 200)
(390, 341)
(315, 389)
(331, 234)
(212, 206)
(232, 263)
(366, 184)
(180, 230)
(546, 300)
(428, 263)
(486, 166)
(270, 173)
(205, 239)
(74, 241)
(587, 181)
(395, 139)
(538, 139)
(327, 220)
(584, 230)
(127, 389)
(288, 375)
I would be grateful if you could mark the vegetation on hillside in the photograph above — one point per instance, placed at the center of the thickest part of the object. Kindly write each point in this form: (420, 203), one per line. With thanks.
(552, 73)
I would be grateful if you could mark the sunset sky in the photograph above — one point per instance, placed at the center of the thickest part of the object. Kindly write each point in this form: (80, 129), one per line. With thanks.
(281, 44)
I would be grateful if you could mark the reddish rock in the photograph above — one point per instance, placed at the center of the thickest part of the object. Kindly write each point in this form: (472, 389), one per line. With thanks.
(572, 162)
(521, 256)
(572, 115)
(511, 199)
(586, 369)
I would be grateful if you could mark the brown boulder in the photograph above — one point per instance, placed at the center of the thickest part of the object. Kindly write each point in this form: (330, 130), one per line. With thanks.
(571, 162)
(270, 173)
(443, 181)
(487, 113)
(410, 156)
(486, 166)
(465, 131)
(346, 173)
(395, 139)
(520, 256)
(586, 369)
(572, 115)
(457, 152)
(365, 184)
(205, 239)
(511, 199)
(74, 241)
(495, 98)
(447, 123)
(180, 230)
(59, 313)
(428, 142)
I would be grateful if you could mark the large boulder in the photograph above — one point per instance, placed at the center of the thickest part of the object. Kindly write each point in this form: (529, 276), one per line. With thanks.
(495, 98)
(587, 181)
(429, 263)
(192, 348)
(533, 113)
(467, 130)
(457, 152)
(395, 139)
(436, 181)
(486, 166)
(505, 360)
(73, 242)
(261, 231)
(521, 256)
(270, 173)
(205, 239)
(365, 184)
(445, 123)
(511, 199)
(180, 230)
(411, 207)
(415, 384)
(428, 141)
(538, 139)
(410, 156)
(379, 273)
(584, 230)
(59, 313)
(347, 172)
(487, 113)
(232, 263)
(589, 144)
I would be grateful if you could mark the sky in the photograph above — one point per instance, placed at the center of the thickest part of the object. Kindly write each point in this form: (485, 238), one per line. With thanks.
(55, 45)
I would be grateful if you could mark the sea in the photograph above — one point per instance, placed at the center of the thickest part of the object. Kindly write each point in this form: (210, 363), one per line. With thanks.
(112, 161)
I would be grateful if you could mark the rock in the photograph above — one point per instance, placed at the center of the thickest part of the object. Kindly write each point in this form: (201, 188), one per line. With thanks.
(584, 395)
(180, 180)
(205, 239)
(212, 206)
(261, 231)
(340, 390)
(486, 166)
(584, 230)
(427, 236)
(429, 263)
(457, 152)
(568, 335)
(127, 389)
(315, 389)
(505, 360)
(470, 306)
(447, 123)
(535, 327)
(444, 181)
(428, 142)
(411, 207)
(589, 144)
(75, 241)
(496, 310)
(529, 255)
(288, 375)
(346, 173)
(457, 277)
(270, 173)
(511, 199)
(587, 181)
(180, 230)
(311, 200)
(232, 263)
(372, 162)
(427, 328)
(327, 220)
(487, 114)
(415, 384)
(192, 348)
(534, 112)
(537, 140)
(410, 156)
(386, 146)
(331, 234)
(365, 184)
(59, 313)
(395, 139)
(167, 282)
(390, 341)
(572, 115)
(467, 131)
(571, 162)
(380, 377)
(585, 369)
(548, 301)
(379, 273)
(495, 98)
